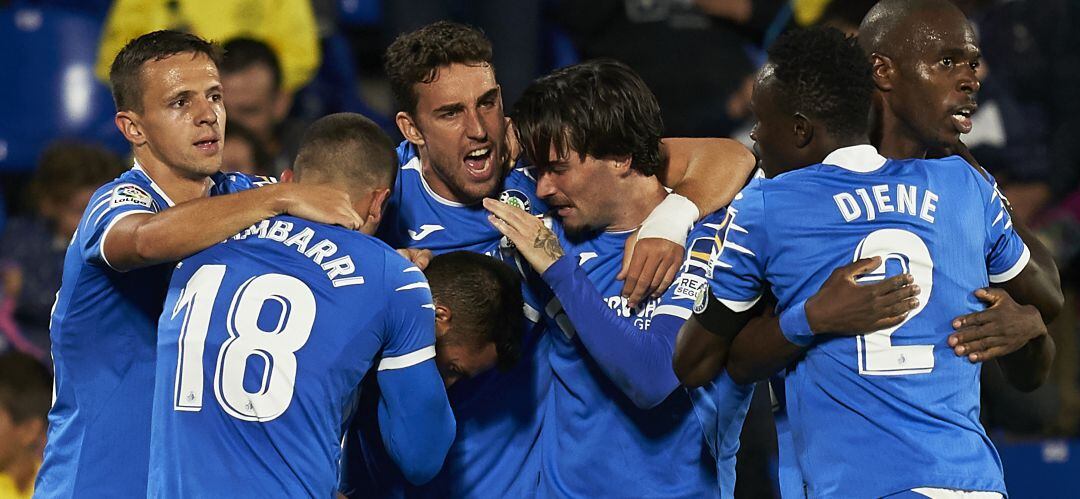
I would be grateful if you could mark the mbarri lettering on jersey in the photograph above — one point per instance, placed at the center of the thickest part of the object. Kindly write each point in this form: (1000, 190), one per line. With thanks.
(907, 197)
(339, 270)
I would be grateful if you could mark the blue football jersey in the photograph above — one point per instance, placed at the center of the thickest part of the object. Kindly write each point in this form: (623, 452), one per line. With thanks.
(103, 343)
(596, 441)
(262, 346)
(896, 409)
(499, 414)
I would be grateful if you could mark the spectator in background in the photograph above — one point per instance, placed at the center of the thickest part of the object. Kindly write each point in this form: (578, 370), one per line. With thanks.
(25, 388)
(251, 77)
(694, 54)
(286, 25)
(32, 248)
(244, 152)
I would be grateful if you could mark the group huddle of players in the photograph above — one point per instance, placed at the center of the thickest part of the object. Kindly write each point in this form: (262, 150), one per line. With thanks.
(601, 299)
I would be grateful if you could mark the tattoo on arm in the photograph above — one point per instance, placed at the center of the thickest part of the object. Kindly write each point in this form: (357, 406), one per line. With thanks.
(546, 240)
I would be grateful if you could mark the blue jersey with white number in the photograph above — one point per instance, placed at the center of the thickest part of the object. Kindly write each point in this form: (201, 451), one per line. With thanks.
(261, 349)
(103, 343)
(598, 441)
(895, 409)
(499, 414)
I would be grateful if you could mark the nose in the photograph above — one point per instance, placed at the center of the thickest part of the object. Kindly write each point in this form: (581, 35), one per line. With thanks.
(969, 81)
(474, 128)
(206, 113)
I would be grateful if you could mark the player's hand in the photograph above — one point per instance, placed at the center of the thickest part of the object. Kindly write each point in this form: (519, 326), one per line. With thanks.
(649, 267)
(419, 257)
(321, 204)
(1003, 328)
(843, 306)
(533, 239)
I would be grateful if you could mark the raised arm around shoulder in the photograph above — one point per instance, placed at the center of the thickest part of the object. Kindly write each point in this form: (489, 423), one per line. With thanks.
(144, 239)
(707, 171)
(414, 415)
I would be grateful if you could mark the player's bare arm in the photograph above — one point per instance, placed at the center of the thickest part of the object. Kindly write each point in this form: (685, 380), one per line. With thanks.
(701, 349)
(841, 307)
(141, 239)
(707, 172)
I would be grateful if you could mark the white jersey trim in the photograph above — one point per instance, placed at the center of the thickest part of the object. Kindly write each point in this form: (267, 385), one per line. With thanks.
(407, 360)
(1015, 270)
(680, 312)
(415, 165)
(860, 159)
(105, 233)
(154, 186)
(739, 306)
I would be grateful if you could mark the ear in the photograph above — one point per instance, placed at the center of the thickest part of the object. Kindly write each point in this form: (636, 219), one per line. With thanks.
(128, 124)
(621, 164)
(287, 176)
(443, 317)
(378, 199)
(282, 104)
(408, 128)
(883, 70)
(803, 130)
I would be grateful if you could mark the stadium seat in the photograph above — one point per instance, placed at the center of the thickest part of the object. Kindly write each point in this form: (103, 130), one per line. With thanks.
(51, 89)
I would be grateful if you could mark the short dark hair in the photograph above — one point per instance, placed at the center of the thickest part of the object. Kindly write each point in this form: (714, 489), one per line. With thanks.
(347, 148)
(234, 131)
(601, 108)
(825, 74)
(25, 387)
(415, 57)
(67, 166)
(125, 73)
(242, 53)
(483, 293)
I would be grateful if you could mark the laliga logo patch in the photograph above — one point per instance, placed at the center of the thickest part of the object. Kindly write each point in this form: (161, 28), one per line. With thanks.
(130, 194)
(516, 198)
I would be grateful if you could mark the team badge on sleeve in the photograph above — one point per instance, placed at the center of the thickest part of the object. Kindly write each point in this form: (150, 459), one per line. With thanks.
(130, 194)
(701, 301)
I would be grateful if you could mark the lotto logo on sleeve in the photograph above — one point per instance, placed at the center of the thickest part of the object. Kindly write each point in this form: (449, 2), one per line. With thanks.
(131, 194)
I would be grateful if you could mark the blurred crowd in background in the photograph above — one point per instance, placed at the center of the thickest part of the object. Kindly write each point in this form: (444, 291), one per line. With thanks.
(289, 62)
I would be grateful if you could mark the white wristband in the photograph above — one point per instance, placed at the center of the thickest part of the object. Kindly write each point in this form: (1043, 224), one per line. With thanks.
(672, 219)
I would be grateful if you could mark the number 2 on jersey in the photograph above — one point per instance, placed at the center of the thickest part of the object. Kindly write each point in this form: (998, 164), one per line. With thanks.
(877, 354)
(275, 347)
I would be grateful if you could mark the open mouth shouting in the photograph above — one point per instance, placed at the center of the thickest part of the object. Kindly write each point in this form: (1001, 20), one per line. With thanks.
(480, 164)
(961, 117)
(208, 144)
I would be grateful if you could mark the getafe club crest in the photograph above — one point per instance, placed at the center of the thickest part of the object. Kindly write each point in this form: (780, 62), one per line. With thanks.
(516, 198)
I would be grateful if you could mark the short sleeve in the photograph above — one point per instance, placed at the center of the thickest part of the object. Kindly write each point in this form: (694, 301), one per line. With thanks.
(410, 325)
(701, 249)
(738, 268)
(1006, 253)
(229, 183)
(109, 205)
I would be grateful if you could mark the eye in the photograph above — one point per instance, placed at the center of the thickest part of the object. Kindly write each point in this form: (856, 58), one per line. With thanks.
(450, 114)
(947, 62)
(181, 102)
(487, 103)
(216, 97)
(975, 64)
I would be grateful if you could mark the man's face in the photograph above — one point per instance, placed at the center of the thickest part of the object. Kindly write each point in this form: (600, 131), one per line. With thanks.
(773, 134)
(934, 92)
(458, 359)
(252, 99)
(579, 190)
(183, 117)
(460, 117)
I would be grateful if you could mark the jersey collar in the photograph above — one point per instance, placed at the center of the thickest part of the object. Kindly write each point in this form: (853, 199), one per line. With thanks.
(153, 185)
(863, 158)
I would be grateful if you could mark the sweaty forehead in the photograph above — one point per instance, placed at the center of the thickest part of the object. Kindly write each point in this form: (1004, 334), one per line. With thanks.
(931, 32)
(178, 71)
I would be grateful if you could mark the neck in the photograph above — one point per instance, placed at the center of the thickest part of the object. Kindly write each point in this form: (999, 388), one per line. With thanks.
(636, 199)
(435, 181)
(179, 186)
(896, 139)
(22, 472)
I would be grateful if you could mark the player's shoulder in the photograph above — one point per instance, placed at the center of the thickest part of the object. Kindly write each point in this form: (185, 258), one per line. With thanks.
(230, 182)
(132, 187)
(406, 153)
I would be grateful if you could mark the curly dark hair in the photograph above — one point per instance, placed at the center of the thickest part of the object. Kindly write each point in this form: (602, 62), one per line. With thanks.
(601, 108)
(415, 57)
(126, 67)
(826, 75)
(485, 297)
